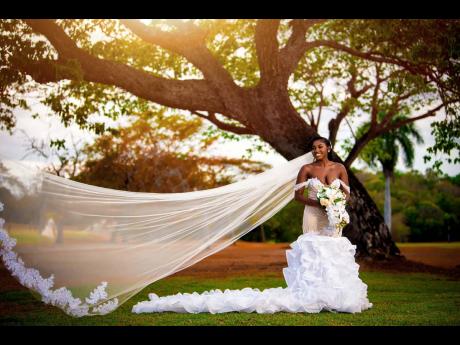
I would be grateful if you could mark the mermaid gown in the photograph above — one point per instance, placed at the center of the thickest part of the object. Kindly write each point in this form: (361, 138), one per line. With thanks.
(321, 275)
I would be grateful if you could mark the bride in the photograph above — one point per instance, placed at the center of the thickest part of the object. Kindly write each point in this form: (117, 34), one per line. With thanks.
(89, 269)
(321, 275)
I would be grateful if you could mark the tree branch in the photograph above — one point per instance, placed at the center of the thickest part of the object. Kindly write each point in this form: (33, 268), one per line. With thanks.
(394, 107)
(401, 123)
(321, 104)
(372, 56)
(351, 129)
(182, 94)
(188, 41)
(335, 123)
(374, 106)
(358, 146)
(222, 125)
(371, 134)
(296, 46)
(351, 86)
(44, 71)
(267, 49)
(174, 41)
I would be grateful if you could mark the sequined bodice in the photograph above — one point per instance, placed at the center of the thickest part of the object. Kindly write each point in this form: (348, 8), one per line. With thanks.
(315, 219)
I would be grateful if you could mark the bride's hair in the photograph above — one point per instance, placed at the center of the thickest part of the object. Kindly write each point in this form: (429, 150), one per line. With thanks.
(325, 141)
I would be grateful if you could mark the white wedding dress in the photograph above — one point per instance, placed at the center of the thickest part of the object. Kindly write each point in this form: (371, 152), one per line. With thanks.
(321, 275)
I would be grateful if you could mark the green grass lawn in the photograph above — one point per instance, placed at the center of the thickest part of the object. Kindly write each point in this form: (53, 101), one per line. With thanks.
(399, 299)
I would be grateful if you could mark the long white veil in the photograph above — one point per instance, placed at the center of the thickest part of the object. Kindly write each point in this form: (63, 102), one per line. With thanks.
(88, 249)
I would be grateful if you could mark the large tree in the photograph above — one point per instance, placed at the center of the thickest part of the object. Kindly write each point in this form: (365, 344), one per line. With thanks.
(235, 74)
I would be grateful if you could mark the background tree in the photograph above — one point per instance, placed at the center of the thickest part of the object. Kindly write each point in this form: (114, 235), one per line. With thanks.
(61, 160)
(425, 206)
(160, 153)
(118, 67)
(385, 150)
(362, 90)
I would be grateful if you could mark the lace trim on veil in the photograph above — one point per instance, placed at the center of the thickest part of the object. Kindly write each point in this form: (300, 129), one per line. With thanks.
(62, 297)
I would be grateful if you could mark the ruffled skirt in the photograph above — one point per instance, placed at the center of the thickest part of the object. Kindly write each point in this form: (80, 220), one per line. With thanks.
(321, 275)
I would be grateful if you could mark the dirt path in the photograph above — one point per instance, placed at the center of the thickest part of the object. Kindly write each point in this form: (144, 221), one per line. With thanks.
(249, 258)
(439, 257)
(242, 258)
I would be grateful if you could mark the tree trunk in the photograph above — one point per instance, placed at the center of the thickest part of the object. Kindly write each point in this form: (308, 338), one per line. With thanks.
(387, 207)
(262, 233)
(60, 232)
(367, 229)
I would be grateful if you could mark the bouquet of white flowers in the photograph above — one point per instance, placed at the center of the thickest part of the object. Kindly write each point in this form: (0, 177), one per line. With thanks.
(334, 201)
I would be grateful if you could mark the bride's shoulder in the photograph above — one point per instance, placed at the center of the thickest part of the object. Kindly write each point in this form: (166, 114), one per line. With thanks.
(307, 167)
(339, 166)
(305, 171)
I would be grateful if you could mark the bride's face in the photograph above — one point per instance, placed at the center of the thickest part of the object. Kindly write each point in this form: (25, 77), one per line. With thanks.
(319, 150)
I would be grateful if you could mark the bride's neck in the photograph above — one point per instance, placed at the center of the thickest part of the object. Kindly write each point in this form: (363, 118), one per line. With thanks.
(323, 163)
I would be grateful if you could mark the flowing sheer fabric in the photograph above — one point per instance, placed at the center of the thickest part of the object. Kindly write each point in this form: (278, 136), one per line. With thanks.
(321, 275)
(87, 249)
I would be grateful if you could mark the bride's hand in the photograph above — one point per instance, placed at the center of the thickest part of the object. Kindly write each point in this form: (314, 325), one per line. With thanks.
(314, 203)
(347, 199)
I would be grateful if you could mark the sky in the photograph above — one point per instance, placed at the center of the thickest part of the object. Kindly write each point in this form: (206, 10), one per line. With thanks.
(13, 147)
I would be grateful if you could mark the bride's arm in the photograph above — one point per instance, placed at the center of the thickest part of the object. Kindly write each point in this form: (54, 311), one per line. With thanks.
(299, 193)
(344, 177)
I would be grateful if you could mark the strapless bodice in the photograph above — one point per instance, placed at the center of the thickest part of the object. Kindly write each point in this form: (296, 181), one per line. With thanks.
(313, 184)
